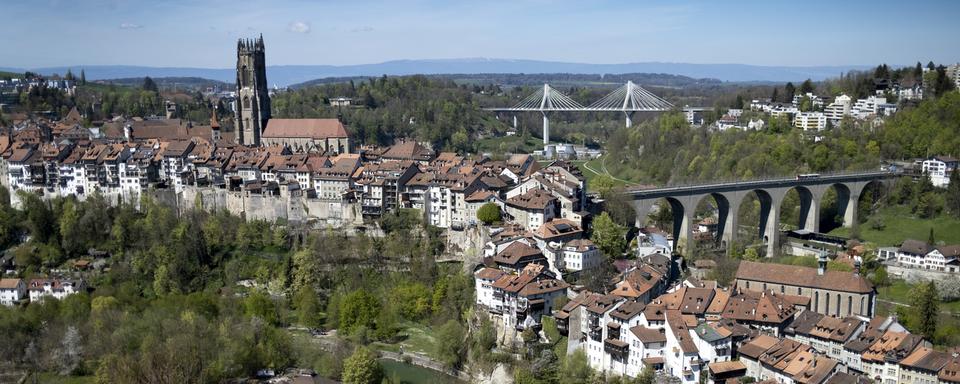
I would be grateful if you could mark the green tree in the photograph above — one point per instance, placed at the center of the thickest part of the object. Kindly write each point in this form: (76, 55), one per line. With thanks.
(603, 184)
(450, 343)
(926, 304)
(362, 367)
(358, 309)
(308, 308)
(576, 368)
(806, 87)
(149, 85)
(489, 213)
(609, 237)
(260, 305)
(953, 193)
(83, 77)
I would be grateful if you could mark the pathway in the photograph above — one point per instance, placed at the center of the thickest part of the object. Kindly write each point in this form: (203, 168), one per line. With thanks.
(603, 167)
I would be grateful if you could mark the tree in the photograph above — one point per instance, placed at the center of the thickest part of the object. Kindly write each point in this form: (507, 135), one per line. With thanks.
(926, 305)
(806, 87)
(576, 369)
(359, 308)
(953, 193)
(603, 184)
(450, 345)
(362, 367)
(931, 240)
(308, 308)
(609, 237)
(150, 85)
(788, 91)
(489, 213)
(83, 77)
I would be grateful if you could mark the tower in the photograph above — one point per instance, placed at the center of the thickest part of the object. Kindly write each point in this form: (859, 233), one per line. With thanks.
(253, 101)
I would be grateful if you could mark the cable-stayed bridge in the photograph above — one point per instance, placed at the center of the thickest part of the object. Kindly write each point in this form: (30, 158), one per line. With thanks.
(628, 99)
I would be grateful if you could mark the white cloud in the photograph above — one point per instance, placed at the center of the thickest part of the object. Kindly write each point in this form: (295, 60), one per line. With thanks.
(130, 26)
(299, 27)
(362, 29)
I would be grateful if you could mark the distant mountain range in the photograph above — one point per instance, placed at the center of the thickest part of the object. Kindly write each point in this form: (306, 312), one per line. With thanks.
(285, 75)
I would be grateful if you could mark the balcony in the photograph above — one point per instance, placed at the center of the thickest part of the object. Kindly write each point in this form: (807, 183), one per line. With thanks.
(616, 348)
(596, 333)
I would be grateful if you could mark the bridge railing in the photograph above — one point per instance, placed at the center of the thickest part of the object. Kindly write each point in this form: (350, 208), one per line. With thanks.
(733, 182)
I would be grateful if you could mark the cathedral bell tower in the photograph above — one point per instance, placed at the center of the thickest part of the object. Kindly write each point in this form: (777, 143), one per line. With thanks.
(253, 100)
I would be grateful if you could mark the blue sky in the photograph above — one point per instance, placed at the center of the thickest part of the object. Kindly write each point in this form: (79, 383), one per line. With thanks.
(203, 33)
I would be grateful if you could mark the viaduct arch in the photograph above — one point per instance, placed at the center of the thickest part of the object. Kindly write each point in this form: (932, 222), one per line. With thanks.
(683, 202)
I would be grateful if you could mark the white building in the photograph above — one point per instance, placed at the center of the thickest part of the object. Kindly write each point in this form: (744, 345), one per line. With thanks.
(581, 254)
(40, 289)
(939, 169)
(840, 107)
(810, 121)
(12, 291)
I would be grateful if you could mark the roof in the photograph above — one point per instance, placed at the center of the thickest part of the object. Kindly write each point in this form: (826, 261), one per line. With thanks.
(892, 347)
(803, 277)
(926, 359)
(915, 247)
(680, 331)
(304, 128)
(542, 286)
(558, 228)
(649, 335)
(804, 322)
(756, 347)
(696, 300)
(721, 367)
(515, 252)
(708, 333)
(628, 310)
(951, 371)
(408, 150)
(9, 283)
(846, 378)
(489, 273)
(533, 199)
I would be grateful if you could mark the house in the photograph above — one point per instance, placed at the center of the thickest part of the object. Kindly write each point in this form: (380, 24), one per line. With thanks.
(810, 121)
(922, 366)
(579, 255)
(920, 255)
(40, 289)
(523, 298)
(532, 209)
(518, 255)
(939, 168)
(830, 292)
(881, 361)
(12, 291)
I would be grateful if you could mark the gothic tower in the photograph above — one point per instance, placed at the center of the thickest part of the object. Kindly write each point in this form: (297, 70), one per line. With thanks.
(253, 100)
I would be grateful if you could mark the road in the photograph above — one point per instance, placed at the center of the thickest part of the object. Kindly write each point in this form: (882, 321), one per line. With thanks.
(603, 167)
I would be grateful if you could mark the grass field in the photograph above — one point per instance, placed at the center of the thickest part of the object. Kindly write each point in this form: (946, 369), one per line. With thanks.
(511, 144)
(900, 224)
(53, 378)
(416, 338)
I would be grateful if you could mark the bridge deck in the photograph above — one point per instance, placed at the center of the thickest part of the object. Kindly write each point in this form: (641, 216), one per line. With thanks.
(757, 184)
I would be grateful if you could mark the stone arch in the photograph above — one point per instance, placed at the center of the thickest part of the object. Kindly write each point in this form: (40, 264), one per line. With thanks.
(835, 206)
(801, 204)
(722, 208)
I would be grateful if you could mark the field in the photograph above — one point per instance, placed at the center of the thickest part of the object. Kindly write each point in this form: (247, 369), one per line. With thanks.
(509, 144)
(900, 224)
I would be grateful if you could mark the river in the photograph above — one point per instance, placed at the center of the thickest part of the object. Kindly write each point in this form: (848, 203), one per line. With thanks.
(403, 373)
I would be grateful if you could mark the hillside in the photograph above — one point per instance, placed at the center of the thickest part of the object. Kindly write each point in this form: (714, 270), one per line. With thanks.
(168, 82)
(555, 79)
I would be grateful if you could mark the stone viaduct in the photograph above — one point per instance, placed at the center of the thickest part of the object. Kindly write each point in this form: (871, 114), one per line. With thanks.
(683, 202)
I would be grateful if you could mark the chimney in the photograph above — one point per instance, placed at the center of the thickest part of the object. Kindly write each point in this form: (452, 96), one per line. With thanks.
(128, 132)
(822, 263)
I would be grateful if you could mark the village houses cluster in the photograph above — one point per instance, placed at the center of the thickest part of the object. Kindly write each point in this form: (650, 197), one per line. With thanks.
(776, 324)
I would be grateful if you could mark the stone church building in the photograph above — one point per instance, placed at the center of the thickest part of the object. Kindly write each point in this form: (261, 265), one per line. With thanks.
(830, 292)
(254, 125)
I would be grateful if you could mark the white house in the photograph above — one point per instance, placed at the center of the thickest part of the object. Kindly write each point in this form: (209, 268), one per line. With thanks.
(810, 121)
(40, 289)
(939, 169)
(12, 291)
(581, 254)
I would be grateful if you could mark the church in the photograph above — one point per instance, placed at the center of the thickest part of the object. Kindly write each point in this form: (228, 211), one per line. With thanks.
(253, 123)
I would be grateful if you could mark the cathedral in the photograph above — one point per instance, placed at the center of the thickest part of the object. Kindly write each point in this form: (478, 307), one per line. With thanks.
(254, 127)
(253, 99)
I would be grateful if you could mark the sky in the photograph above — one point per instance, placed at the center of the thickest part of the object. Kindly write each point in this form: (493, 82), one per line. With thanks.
(182, 33)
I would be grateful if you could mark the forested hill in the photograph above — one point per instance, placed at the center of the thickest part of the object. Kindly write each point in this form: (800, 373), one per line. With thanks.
(554, 79)
(168, 82)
